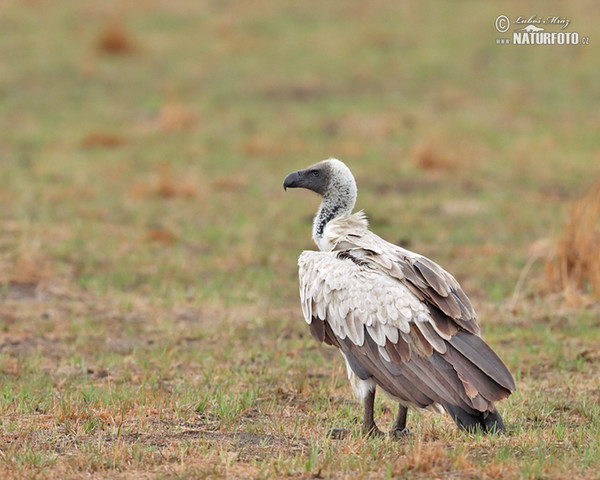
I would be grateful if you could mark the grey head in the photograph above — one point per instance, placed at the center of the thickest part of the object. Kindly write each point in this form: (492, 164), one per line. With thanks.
(315, 178)
(329, 178)
(334, 181)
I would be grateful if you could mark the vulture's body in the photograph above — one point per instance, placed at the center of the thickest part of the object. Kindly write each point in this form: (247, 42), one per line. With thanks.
(401, 321)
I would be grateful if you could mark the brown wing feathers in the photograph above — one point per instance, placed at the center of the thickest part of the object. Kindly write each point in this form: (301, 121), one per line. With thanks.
(432, 279)
(317, 329)
(479, 353)
(428, 281)
(454, 304)
(419, 375)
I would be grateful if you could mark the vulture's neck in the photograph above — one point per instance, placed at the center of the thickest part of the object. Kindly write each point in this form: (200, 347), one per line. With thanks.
(335, 205)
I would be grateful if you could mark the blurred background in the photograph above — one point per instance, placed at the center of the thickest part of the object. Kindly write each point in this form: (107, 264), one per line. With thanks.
(143, 146)
(144, 142)
(131, 128)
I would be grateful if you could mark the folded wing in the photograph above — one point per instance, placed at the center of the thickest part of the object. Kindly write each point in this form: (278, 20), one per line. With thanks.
(403, 321)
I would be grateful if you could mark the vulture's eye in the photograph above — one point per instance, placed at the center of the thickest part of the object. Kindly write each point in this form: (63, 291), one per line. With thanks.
(315, 173)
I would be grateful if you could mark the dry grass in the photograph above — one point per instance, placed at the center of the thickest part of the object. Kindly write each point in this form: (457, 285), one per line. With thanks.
(161, 235)
(175, 116)
(574, 266)
(115, 39)
(429, 157)
(103, 139)
(165, 183)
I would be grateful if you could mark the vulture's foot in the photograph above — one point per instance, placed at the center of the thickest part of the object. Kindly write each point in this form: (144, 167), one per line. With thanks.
(337, 433)
(400, 434)
(372, 431)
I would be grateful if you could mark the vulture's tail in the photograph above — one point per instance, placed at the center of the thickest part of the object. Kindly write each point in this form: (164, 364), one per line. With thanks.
(486, 422)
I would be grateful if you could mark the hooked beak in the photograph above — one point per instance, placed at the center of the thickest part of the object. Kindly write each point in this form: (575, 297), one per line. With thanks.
(293, 180)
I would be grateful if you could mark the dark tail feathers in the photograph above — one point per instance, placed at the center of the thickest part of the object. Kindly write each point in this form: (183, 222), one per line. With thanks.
(486, 422)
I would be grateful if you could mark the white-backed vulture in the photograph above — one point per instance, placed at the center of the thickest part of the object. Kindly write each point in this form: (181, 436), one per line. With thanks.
(400, 320)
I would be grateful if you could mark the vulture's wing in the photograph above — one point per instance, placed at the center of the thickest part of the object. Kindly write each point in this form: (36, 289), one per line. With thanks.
(426, 280)
(387, 332)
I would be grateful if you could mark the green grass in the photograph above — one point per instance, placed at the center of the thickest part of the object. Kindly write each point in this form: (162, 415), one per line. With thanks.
(149, 319)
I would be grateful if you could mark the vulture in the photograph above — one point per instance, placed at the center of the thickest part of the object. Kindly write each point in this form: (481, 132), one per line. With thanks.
(401, 321)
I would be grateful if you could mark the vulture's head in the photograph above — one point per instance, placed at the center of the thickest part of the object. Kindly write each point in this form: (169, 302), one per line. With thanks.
(329, 178)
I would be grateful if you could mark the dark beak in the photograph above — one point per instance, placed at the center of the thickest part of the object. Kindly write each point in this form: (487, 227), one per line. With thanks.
(293, 180)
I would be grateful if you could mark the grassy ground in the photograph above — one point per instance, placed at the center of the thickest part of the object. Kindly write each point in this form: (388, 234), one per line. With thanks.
(149, 318)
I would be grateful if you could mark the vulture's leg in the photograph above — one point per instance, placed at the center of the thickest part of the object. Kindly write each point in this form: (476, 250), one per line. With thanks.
(399, 429)
(369, 426)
